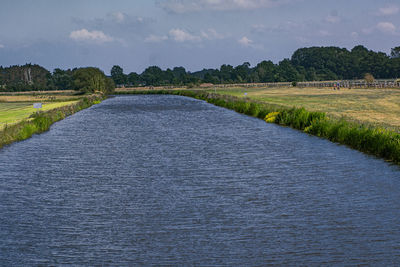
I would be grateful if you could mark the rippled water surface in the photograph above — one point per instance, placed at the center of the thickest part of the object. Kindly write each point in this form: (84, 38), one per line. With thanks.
(168, 180)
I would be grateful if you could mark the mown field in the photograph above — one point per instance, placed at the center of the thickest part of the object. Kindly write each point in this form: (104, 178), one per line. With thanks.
(16, 107)
(377, 107)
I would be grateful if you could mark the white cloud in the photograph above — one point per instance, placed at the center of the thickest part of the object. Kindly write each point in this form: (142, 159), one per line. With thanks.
(183, 6)
(93, 36)
(386, 27)
(181, 36)
(389, 10)
(383, 27)
(368, 30)
(211, 34)
(155, 38)
(1, 46)
(245, 41)
(118, 16)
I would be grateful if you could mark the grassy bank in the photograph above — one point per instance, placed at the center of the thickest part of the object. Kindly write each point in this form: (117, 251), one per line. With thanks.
(363, 137)
(374, 106)
(13, 112)
(15, 107)
(41, 121)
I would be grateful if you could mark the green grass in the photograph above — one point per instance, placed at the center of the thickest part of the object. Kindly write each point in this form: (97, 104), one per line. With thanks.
(14, 112)
(40, 121)
(375, 107)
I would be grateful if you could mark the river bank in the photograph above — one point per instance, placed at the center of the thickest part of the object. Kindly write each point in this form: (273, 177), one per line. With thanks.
(377, 107)
(41, 121)
(376, 141)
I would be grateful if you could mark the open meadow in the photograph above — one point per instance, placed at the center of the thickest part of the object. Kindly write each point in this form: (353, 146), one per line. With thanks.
(378, 107)
(16, 107)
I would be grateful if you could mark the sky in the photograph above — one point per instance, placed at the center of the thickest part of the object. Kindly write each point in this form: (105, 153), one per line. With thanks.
(195, 34)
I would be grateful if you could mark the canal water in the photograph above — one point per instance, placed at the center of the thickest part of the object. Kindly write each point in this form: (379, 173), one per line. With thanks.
(169, 180)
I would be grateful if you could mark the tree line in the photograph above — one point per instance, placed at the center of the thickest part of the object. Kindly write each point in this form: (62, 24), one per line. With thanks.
(34, 78)
(306, 64)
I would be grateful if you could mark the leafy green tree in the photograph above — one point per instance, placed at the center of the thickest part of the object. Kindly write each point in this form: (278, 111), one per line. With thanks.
(152, 76)
(226, 74)
(168, 77)
(117, 74)
(133, 79)
(254, 77)
(109, 86)
(266, 71)
(179, 76)
(210, 78)
(62, 79)
(329, 62)
(90, 80)
(311, 74)
(394, 67)
(286, 72)
(242, 72)
(25, 78)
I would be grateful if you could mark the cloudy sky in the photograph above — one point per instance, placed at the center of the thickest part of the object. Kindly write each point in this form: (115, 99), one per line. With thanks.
(194, 34)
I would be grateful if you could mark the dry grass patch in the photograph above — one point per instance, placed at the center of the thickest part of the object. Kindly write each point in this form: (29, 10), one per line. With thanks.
(54, 92)
(38, 98)
(371, 106)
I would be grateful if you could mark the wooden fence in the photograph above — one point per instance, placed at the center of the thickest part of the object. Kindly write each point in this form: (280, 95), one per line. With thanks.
(392, 83)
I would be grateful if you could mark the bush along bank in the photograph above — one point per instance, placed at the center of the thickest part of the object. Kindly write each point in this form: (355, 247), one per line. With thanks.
(380, 142)
(41, 121)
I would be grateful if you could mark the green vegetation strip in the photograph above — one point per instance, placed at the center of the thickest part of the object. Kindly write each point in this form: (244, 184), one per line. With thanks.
(11, 113)
(372, 140)
(41, 121)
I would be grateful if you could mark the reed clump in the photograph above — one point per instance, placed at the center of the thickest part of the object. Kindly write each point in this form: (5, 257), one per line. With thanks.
(377, 141)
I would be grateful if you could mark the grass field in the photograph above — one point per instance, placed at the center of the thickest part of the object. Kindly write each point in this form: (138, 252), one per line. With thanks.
(15, 107)
(378, 107)
(12, 112)
(23, 121)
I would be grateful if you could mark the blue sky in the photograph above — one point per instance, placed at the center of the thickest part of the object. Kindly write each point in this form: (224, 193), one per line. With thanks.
(194, 34)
